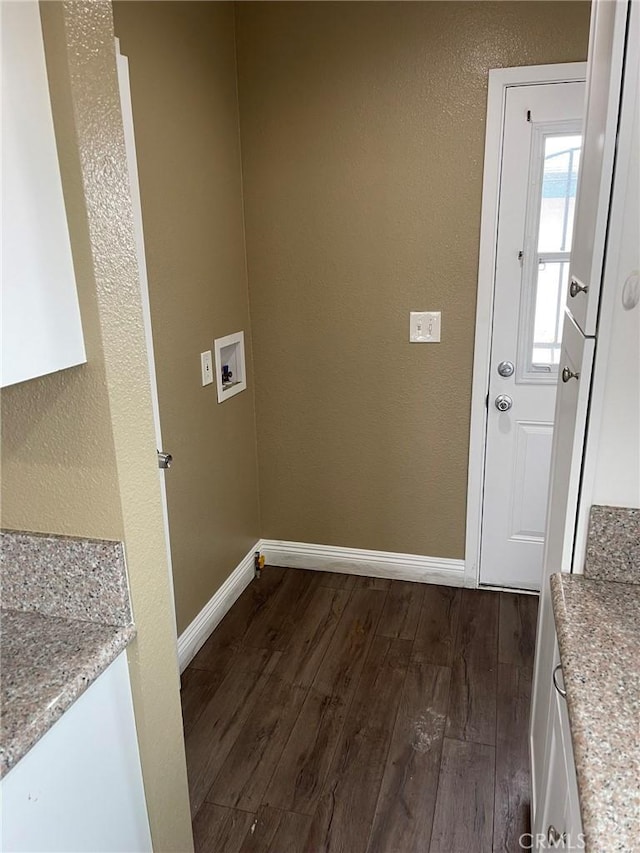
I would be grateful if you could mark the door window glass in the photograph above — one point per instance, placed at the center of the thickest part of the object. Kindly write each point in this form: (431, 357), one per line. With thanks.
(554, 171)
(558, 196)
(551, 288)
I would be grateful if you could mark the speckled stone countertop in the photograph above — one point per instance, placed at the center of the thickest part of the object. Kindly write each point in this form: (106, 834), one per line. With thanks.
(47, 662)
(613, 544)
(66, 615)
(598, 627)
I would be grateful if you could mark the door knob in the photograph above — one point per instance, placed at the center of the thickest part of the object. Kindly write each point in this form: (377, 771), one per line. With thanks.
(568, 374)
(165, 460)
(575, 288)
(503, 403)
(506, 368)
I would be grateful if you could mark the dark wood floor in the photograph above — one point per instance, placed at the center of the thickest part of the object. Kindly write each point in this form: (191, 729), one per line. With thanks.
(334, 713)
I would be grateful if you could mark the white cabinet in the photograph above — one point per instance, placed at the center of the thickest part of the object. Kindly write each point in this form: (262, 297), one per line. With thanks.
(572, 401)
(612, 453)
(576, 406)
(604, 75)
(596, 413)
(541, 699)
(41, 327)
(79, 789)
(556, 791)
(558, 818)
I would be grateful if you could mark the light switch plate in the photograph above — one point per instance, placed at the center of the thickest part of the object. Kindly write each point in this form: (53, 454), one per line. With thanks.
(424, 327)
(207, 367)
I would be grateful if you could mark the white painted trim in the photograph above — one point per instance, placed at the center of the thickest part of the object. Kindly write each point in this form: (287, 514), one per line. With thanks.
(198, 632)
(358, 561)
(534, 775)
(499, 81)
(126, 104)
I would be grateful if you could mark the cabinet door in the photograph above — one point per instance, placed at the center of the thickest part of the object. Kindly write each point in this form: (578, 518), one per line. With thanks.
(41, 328)
(611, 474)
(576, 363)
(552, 824)
(566, 464)
(572, 818)
(606, 56)
(572, 824)
(541, 698)
(79, 789)
(558, 818)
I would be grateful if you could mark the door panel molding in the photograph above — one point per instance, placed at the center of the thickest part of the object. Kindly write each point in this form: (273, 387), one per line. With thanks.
(526, 469)
(500, 80)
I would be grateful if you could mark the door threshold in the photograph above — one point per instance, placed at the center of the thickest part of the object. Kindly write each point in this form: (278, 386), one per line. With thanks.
(489, 587)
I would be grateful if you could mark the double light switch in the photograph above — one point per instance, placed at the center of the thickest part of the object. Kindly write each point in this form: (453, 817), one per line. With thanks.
(424, 327)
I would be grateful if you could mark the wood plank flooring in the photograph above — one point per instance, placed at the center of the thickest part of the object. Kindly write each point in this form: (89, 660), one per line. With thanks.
(333, 713)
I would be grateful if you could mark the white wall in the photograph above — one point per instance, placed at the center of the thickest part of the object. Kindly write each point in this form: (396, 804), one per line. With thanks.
(616, 442)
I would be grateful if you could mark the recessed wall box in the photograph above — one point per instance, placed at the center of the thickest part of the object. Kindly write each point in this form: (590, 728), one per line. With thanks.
(231, 376)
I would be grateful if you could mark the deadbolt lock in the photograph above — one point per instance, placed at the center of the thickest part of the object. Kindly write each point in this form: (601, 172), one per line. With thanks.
(506, 368)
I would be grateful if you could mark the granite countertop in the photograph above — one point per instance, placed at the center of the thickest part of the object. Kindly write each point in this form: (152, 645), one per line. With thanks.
(598, 627)
(66, 615)
(47, 663)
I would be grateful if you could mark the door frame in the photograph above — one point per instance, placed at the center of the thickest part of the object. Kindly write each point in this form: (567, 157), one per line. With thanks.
(124, 86)
(500, 79)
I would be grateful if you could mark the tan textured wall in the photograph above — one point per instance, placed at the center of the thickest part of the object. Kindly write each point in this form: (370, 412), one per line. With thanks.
(58, 456)
(362, 131)
(91, 427)
(184, 94)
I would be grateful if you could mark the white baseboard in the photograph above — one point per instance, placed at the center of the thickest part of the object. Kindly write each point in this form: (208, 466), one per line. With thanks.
(198, 632)
(324, 558)
(359, 561)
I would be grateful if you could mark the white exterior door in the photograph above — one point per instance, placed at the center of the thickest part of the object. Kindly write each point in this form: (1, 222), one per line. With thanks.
(540, 157)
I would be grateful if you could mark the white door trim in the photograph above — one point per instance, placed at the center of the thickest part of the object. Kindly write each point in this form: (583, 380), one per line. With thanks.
(500, 79)
(122, 65)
